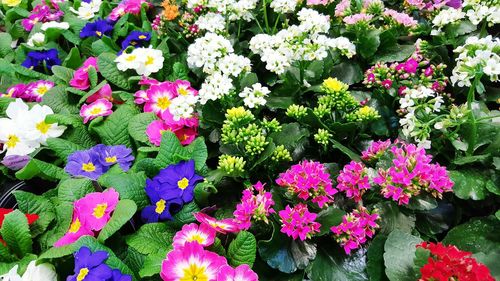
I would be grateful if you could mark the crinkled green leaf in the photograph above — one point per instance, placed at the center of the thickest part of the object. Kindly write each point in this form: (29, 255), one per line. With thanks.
(107, 68)
(129, 185)
(38, 168)
(114, 130)
(138, 124)
(152, 264)
(124, 211)
(30, 203)
(63, 148)
(16, 233)
(399, 252)
(70, 190)
(151, 238)
(242, 249)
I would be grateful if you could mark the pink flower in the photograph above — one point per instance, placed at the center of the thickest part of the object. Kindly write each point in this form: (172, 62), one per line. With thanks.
(100, 107)
(411, 65)
(429, 71)
(95, 208)
(37, 90)
(103, 93)
(309, 179)
(141, 97)
(387, 83)
(222, 226)
(353, 180)
(203, 235)
(183, 88)
(401, 18)
(298, 222)
(191, 262)
(257, 206)
(317, 2)
(159, 98)
(77, 229)
(342, 7)
(375, 150)
(80, 78)
(357, 18)
(355, 228)
(240, 273)
(155, 130)
(130, 6)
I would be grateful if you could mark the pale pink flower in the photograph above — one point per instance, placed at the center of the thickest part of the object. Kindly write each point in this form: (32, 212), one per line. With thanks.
(100, 107)
(353, 19)
(342, 7)
(401, 18)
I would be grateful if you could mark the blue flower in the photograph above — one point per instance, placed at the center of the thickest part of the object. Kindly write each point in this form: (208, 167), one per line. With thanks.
(36, 59)
(180, 180)
(136, 39)
(90, 266)
(118, 276)
(85, 163)
(117, 154)
(97, 28)
(163, 206)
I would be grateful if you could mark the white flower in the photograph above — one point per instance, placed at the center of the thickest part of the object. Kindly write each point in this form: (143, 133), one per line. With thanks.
(183, 106)
(14, 139)
(207, 50)
(492, 68)
(36, 39)
(11, 275)
(233, 64)
(54, 24)
(211, 22)
(38, 129)
(41, 272)
(255, 96)
(445, 17)
(478, 13)
(86, 10)
(127, 61)
(215, 86)
(150, 60)
(283, 6)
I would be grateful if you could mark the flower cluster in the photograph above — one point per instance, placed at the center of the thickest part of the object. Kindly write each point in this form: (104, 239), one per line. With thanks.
(254, 206)
(298, 222)
(473, 10)
(144, 61)
(91, 266)
(41, 13)
(31, 92)
(449, 263)
(170, 190)
(94, 162)
(353, 180)
(25, 129)
(233, 10)
(90, 214)
(309, 180)
(355, 228)
(254, 96)
(375, 150)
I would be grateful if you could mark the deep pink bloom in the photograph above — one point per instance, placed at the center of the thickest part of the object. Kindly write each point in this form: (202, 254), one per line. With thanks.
(375, 150)
(77, 229)
(308, 179)
(202, 234)
(240, 273)
(387, 83)
(254, 206)
(103, 93)
(155, 130)
(411, 65)
(159, 98)
(401, 91)
(127, 6)
(353, 180)
(100, 107)
(95, 208)
(80, 78)
(355, 228)
(191, 262)
(429, 71)
(298, 222)
(222, 226)
(40, 13)
(35, 91)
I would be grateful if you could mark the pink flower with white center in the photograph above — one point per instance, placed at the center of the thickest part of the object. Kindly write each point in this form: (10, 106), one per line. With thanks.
(141, 97)
(202, 234)
(183, 88)
(37, 90)
(387, 83)
(298, 222)
(222, 226)
(191, 262)
(353, 180)
(240, 273)
(309, 179)
(375, 150)
(95, 208)
(254, 206)
(100, 107)
(103, 93)
(355, 228)
(159, 98)
(357, 18)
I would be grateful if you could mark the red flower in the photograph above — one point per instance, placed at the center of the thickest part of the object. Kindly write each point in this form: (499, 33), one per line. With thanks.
(449, 263)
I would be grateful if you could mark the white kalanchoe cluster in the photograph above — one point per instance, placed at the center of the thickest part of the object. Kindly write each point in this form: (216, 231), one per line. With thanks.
(87, 11)
(284, 6)
(143, 60)
(255, 96)
(475, 56)
(304, 42)
(25, 129)
(231, 9)
(211, 22)
(445, 17)
(477, 11)
(183, 106)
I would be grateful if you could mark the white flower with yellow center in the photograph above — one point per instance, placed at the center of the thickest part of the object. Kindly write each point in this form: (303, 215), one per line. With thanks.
(14, 139)
(87, 11)
(40, 130)
(127, 61)
(151, 60)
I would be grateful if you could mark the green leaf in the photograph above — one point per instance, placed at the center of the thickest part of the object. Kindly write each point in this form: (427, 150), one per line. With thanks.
(73, 59)
(63, 73)
(242, 249)
(16, 233)
(179, 71)
(348, 72)
(469, 184)
(290, 135)
(129, 185)
(375, 259)
(478, 235)
(30, 203)
(151, 238)
(491, 261)
(92, 72)
(114, 130)
(70, 190)
(64, 119)
(171, 151)
(152, 264)
(124, 211)
(5, 42)
(329, 217)
(63, 148)
(64, 215)
(107, 68)
(57, 99)
(347, 151)
(41, 169)
(217, 247)
(331, 263)
(392, 218)
(397, 53)
(368, 42)
(138, 124)
(399, 252)
(422, 202)
(185, 215)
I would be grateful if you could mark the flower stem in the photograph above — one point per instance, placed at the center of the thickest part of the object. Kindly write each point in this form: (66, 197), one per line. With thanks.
(472, 118)
(264, 10)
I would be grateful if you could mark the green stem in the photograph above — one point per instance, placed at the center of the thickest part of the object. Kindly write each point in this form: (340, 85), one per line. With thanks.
(276, 23)
(264, 10)
(483, 33)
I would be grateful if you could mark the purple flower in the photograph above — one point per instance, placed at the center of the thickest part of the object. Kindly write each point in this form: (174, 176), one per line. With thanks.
(90, 266)
(117, 154)
(85, 163)
(15, 162)
(136, 39)
(118, 276)
(457, 4)
(163, 205)
(36, 59)
(97, 28)
(180, 180)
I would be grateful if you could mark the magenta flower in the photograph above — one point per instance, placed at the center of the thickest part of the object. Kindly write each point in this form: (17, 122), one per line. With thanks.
(240, 273)
(159, 98)
(375, 150)
(411, 65)
(355, 228)
(202, 234)
(40, 13)
(37, 90)
(183, 88)
(77, 229)
(100, 107)
(309, 179)
(103, 93)
(80, 78)
(387, 83)
(353, 180)
(185, 134)
(298, 222)
(191, 262)
(222, 226)
(254, 206)
(95, 208)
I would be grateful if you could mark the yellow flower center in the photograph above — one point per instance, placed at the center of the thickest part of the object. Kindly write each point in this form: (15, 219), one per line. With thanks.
(75, 226)
(98, 33)
(12, 141)
(163, 103)
(196, 237)
(149, 60)
(99, 210)
(182, 91)
(183, 183)
(110, 159)
(334, 84)
(42, 90)
(130, 58)
(43, 127)
(194, 272)
(160, 206)
(365, 110)
(95, 110)
(88, 167)
(142, 36)
(82, 274)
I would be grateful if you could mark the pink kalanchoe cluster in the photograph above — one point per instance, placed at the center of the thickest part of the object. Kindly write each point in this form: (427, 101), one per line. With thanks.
(309, 180)
(355, 228)
(254, 206)
(31, 92)
(317, 2)
(412, 173)
(433, 5)
(298, 222)
(375, 150)
(41, 13)
(401, 18)
(100, 107)
(353, 19)
(90, 214)
(353, 180)
(342, 7)
(80, 78)
(127, 7)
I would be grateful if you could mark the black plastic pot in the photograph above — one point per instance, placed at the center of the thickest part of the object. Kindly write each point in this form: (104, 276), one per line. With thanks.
(37, 186)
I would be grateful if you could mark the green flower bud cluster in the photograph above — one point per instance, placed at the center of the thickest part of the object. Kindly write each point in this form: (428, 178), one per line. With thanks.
(322, 137)
(271, 126)
(296, 111)
(336, 98)
(281, 154)
(256, 145)
(365, 113)
(231, 165)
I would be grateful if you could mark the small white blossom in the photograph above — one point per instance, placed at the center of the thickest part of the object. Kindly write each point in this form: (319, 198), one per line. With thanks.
(254, 96)
(36, 39)
(211, 22)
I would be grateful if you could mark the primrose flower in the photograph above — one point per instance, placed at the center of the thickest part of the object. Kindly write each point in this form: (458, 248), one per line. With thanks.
(37, 90)
(98, 28)
(15, 162)
(353, 180)
(222, 226)
(100, 107)
(159, 98)
(37, 39)
(77, 229)
(13, 135)
(179, 180)
(95, 208)
(80, 78)
(38, 129)
(240, 273)
(117, 154)
(136, 39)
(191, 262)
(103, 93)
(308, 179)
(38, 59)
(85, 163)
(202, 234)
(90, 266)
(298, 222)
(254, 206)
(163, 206)
(87, 9)
(144, 61)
